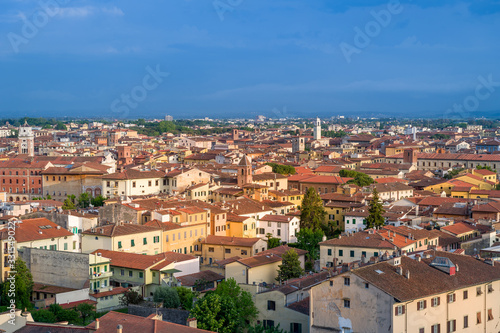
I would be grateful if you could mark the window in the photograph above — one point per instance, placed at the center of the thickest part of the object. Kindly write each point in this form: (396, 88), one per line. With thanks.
(65, 246)
(363, 254)
(490, 314)
(435, 301)
(466, 294)
(156, 239)
(133, 184)
(436, 328)
(329, 252)
(347, 281)
(268, 323)
(421, 305)
(210, 249)
(421, 330)
(295, 328)
(479, 292)
(132, 242)
(228, 251)
(478, 317)
(466, 321)
(122, 272)
(130, 273)
(244, 252)
(451, 298)
(452, 327)
(144, 241)
(341, 253)
(141, 275)
(367, 285)
(352, 254)
(399, 310)
(271, 305)
(490, 288)
(347, 303)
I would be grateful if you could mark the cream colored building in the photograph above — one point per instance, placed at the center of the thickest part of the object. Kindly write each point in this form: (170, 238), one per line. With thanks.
(443, 292)
(132, 183)
(215, 248)
(254, 270)
(132, 238)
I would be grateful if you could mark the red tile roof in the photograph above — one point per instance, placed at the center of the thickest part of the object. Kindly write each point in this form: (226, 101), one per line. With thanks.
(36, 229)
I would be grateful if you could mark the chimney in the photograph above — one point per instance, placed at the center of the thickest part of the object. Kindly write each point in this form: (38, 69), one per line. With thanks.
(97, 324)
(407, 275)
(119, 329)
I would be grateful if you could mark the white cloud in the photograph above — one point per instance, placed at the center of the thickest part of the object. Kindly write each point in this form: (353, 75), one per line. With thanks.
(76, 11)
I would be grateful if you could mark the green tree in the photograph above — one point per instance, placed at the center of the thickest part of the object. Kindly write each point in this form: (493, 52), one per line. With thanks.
(98, 201)
(70, 316)
(359, 178)
(86, 311)
(485, 167)
(226, 309)
(23, 283)
(131, 297)
(282, 169)
(60, 126)
(375, 219)
(186, 297)
(68, 204)
(210, 315)
(44, 316)
(272, 242)
(168, 296)
(308, 239)
(290, 267)
(55, 308)
(83, 200)
(312, 213)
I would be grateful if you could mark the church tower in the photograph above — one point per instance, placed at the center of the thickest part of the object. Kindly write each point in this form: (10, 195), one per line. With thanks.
(26, 140)
(317, 129)
(245, 171)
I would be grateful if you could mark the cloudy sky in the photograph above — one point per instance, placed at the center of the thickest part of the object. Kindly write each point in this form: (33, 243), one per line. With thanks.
(242, 58)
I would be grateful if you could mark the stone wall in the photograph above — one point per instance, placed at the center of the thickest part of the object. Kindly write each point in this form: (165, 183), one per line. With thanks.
(59, 268)
(117, 213)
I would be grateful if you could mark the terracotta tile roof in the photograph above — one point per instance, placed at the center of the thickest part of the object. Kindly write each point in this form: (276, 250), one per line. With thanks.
(277, 218)
(259, 260)
(300, 306)
(453, 208)
(458, 228)
(280, 250)
(454, 157)
(189, 280)
(114, 230)
(438, 201)
(390, 180)
(36, 229)
(226, 261)
(132, 324)
(33, 327)
(72, 305)
(45, 288)
(319, 179)
(235, 241)
(136, 261)
(426, 280)
(114, 291)
(163, 225)
(490, 207)
(171, 257)
(361, 239)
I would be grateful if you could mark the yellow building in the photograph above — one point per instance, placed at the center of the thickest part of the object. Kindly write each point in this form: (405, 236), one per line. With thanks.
(216, 248)
(178, 238)
(240, 226)
(293, 196)
(132, 238)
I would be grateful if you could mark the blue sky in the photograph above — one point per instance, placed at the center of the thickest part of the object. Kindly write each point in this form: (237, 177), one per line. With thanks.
(241, 58)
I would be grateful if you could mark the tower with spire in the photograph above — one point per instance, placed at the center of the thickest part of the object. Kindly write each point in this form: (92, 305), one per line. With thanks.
(26, 140)
(317, 129)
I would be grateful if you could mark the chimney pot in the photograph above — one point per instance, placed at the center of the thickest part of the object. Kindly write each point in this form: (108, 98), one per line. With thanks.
(119, 329)
(97, 324)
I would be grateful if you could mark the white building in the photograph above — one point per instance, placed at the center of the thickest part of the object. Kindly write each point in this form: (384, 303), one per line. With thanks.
(279, 226)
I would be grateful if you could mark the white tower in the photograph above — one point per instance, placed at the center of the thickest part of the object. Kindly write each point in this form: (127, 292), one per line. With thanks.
(26, 140)
(317, 129)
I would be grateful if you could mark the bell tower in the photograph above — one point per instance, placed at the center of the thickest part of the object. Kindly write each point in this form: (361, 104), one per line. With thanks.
(245, 171)
(26, 140)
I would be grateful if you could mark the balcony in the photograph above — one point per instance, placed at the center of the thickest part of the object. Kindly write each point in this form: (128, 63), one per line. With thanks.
(101, 275)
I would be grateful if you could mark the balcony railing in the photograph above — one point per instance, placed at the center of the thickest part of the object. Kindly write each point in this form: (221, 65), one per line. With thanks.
(100, 275)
